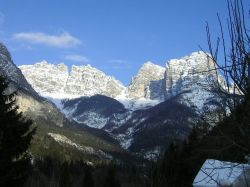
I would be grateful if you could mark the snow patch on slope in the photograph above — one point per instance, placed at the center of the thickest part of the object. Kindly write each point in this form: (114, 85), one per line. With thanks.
(152, 154)
(136, 104)
(86, 149)
(92, 119)
(126, 139)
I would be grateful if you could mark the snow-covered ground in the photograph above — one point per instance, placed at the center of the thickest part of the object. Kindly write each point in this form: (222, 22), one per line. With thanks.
(92, 119)
(137, 104)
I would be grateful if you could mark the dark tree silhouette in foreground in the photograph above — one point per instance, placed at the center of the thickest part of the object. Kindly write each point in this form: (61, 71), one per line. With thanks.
(111, 179)
(15, 138)
(88, 178)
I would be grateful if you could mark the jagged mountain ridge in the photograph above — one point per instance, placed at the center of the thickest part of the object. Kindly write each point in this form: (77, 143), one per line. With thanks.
(148, 83)
(9, 70)
(183, 85)
(186, 87)
(50, 121)
(129, 127)
(186, 77)
(189, 77)
(56, 81)
(152, 82)
(29, 102)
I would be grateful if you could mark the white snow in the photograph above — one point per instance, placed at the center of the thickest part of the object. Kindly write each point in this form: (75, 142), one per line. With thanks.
(64, 140)
(90, 150)
(124, 140)
(59, 96)
(181, 76)
(152, 154)
(92, 119)
(56, 81)
(136, 104)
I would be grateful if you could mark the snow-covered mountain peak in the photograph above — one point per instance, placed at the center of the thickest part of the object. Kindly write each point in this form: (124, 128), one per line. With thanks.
(195, 62)
(55, 80)
(150, 65)
(47, 79)
(87, 80)
(62, 67)
(45, 62)
(189, 76)
(86, 69)
(148, 82)
(152, 84)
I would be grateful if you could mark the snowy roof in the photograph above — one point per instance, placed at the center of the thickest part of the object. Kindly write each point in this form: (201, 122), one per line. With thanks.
(215, 173)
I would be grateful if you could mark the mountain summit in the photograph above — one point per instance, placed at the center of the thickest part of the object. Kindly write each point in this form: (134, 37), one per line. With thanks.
(56, 81)
(155, 97)
(148, 83)
(187, 76)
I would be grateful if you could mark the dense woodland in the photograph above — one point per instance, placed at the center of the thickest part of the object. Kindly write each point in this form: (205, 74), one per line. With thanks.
(52, 172)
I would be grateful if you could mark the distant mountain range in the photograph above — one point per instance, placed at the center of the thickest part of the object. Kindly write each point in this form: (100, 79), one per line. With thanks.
(161, 104)
(56, 136)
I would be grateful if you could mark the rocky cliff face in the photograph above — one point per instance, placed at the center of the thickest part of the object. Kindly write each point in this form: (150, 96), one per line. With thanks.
(148, 83)
(46, 78)
(55, 81)
(29, 102)
(153, 82)
(187, 85)
(188, 79)
(187, 69)
(192, 79)
(9, 70)
(88, 81)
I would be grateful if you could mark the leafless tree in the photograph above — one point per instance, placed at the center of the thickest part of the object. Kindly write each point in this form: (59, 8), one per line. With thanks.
(234, 42)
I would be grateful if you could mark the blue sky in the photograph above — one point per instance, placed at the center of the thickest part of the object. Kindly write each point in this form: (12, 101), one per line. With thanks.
(115, 36)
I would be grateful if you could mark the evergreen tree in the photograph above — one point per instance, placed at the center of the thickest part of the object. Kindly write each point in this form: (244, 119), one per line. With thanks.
(88, 180)
(15, 138)
(111, 180)
(65, 176)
